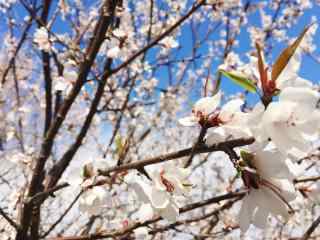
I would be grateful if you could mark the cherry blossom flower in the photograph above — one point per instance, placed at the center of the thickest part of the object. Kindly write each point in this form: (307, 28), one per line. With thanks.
(119, 33)
(154, 201)
(113, 52)
(87, 174)
(172, 179)
(229, 120)
(41, 37)
(293, 122)
(141, 233)
(169, 42)
(233, 123)
(93, 200)
(269, 181)
(203, 110)
(60, 84)
(158, 196)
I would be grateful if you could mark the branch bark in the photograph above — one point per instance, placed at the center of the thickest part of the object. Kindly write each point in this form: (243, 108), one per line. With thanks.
(311, 229)
(222, 146)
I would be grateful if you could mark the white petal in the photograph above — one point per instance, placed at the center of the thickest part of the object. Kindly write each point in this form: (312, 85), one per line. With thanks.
(215, 135)
(278, 112)
(159, 199)
(275, 205)
(145, 212)
(288, 191)
(247, 209)
(142, 190)
(141, 233)
(300, 82)
(101, 193)
(260, 218)
(113, 52)
(271, 164)
(234, 131)
(300, 95)
(157, 181)
(189, 121)
(74, 177)
(229, 110)
(208, 105)
(119, 33)
(171, 212)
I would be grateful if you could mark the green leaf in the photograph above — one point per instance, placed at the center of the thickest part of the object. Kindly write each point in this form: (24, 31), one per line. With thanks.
(245, 155)
(119, 144)
(286, 55)
(244, 82)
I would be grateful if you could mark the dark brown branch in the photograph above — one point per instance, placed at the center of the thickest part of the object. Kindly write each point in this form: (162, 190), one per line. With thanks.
(35, 222)
(42, 195)
(15, 54)
(96, 41)
(58, 169)
(308, 179)
(199, 141)
(222, 146)
(311, 229)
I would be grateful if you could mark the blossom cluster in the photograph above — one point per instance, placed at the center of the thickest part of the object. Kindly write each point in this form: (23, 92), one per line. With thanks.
(284, 124)
(285, 128)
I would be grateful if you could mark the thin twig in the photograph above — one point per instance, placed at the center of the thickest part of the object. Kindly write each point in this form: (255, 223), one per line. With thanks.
(9, 220)
(311, 229)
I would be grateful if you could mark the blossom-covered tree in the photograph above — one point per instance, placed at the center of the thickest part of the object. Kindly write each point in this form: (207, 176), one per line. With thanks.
(99, 140)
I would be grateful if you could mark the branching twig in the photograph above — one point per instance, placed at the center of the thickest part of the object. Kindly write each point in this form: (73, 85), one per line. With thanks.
(8, 219)
(222, 146)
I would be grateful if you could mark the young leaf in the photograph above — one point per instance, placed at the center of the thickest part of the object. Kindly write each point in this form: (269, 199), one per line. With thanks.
(119, 144)
(286, 55)
(247, 157)
(262, 70)
(240, 80)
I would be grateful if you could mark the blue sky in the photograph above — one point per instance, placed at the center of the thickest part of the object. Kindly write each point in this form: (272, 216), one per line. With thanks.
(310, 69)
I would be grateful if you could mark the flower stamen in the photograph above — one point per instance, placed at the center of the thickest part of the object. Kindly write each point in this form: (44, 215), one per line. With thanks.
(169, 185)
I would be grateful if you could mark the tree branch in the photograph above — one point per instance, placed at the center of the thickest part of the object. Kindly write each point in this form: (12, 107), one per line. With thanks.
(222, 146)
(8, 219)
(96, 41)
(311, 229)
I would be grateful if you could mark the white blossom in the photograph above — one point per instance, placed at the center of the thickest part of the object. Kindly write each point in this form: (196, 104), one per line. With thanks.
(293, 121)
(167, 182)
(269, 181)
(141, 233)
(202, 110)
(41, 38)
(93, 200)
(113, 52)
(169, 42)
